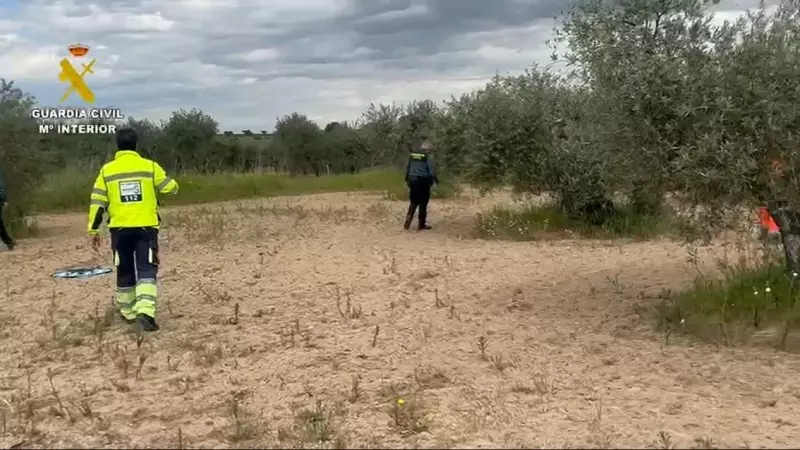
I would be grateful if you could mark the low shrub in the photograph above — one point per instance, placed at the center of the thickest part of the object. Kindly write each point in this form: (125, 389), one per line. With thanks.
(535, 222)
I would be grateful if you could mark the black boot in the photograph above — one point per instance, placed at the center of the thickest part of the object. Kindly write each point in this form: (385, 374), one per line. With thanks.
(423, 218)
(407, 223)
(146, 323)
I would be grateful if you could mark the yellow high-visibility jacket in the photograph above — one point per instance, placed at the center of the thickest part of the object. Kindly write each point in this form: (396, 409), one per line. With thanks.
(128, 188)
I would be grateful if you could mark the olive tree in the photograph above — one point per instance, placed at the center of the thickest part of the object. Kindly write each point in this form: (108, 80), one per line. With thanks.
(190, 137)
(648, 61)
(509, 133)
(703, 110)
(748, 154)
(301, 140)
(20, 150)
(382, 132)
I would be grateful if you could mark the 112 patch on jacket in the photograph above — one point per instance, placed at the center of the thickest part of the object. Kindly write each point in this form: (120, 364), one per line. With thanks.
(130, 191)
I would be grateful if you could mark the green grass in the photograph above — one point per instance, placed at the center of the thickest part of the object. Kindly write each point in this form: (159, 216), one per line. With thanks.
(732, 307)
(535, 222)
(69, 190)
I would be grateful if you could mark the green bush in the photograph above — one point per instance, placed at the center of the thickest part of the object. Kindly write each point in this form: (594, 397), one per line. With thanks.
(535, 222)
(69, 190)
(729, 308)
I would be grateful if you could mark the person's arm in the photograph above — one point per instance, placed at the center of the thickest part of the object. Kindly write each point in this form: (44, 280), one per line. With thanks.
(98, 204)
(432, 168)
(3, 193)
(164, 184)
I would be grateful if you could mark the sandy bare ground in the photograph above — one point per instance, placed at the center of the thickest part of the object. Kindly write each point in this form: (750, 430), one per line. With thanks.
(255, 352)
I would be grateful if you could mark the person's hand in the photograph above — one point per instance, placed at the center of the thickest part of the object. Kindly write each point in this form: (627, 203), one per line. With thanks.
(95, 239)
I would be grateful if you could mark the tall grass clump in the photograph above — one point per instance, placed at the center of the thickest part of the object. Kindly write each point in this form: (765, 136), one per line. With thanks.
(546, 221)
(735, 305)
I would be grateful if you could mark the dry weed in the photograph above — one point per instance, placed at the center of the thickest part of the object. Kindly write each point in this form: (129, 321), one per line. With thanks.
(409, 414)
(23, 407)
(375, 335)
(500, 363)
(704, 443)
(541, 386)
(429, 377)
(243, 424)
(427, 331)
(62, 410)
(213, 295)
(351, 311)
(180, 441)
(355, 389)
(315, 425)
(143, 355)
(208, 355)
(664, 440)
(172, 366)
(483, 344)
(600, 438)
(438, 301)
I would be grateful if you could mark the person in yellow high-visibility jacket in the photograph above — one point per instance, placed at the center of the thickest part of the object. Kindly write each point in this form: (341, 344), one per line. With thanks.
(128, 188)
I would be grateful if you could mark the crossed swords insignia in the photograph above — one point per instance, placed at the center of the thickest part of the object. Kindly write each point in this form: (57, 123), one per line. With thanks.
(75, 79)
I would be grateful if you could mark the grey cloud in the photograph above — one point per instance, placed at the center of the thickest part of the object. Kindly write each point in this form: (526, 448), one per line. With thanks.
(363, 50)
(428, 32)
(395, 45)
(435, 27)
(387, 39)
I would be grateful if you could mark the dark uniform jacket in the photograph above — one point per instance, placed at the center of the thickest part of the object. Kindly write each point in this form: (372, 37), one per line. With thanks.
(421, 167)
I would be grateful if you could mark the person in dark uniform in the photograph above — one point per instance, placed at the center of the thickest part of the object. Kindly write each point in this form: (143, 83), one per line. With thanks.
(420, 177)
(3, 232)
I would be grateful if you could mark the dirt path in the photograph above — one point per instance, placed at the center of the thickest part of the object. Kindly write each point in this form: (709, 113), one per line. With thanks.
(568, 361)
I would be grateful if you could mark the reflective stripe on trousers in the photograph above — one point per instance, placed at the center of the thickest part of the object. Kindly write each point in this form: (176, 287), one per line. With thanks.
(126, 300)
(146, 296)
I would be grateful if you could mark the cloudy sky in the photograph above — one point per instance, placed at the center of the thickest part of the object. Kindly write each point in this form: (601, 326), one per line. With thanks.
(246, 62)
